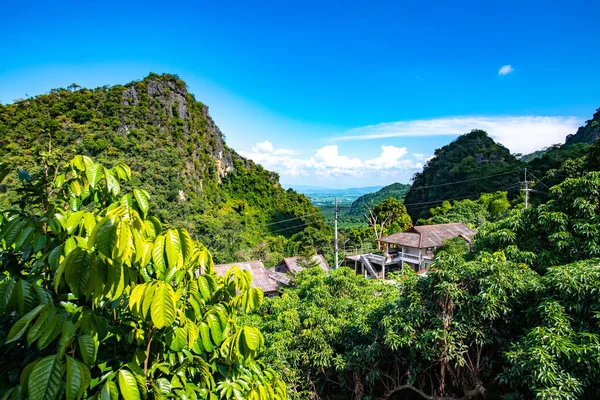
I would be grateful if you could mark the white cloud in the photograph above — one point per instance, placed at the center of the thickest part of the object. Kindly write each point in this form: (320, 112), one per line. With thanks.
(521, 134)
(391, 157)
(263, 147)
(327, 162)
(505, 70)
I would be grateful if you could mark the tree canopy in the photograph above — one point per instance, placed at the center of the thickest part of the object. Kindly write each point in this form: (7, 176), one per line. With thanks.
(99, 299)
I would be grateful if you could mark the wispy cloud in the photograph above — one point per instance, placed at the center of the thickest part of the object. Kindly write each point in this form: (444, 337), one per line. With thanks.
(521, 134)
(505, 70)
(328, 162)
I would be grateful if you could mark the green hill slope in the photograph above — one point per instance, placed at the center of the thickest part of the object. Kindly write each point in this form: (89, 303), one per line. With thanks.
(157, 127)
(395, 190)
(472, 164)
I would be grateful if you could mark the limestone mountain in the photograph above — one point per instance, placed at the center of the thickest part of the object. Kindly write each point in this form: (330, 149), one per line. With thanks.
(588, 133)
(470, 165)
(159, 128)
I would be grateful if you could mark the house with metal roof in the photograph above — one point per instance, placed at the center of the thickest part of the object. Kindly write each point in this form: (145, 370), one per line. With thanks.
(260, 275)
(270, 280)
(413, 248)
(292, 265)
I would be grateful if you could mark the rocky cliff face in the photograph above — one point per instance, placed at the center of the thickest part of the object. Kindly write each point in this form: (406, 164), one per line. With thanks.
(588, 133)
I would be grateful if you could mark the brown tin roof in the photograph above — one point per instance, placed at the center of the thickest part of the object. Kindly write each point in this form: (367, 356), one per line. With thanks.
(294, 267)
(425, 236)
(260, 275)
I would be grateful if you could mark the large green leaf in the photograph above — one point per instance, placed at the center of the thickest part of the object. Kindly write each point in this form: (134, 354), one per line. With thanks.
(143, 200)
(148, 298)
(25, 296)
(45, 379)
(73, 260)
(73, 221)
(88, 346)
(18, 329)
(252, 337)
(158, 254)
(128, 385)
(205, 337)
(7, 288)
(172, 247)
(135, 299)
(36, 329)
(77, 272)
(112, 183)
(78, 379)
(204, 287)
(163, 305)
(216, 331)
(93, 174)
(109, 391)
(188, 247)
(104, 236)
(177, 338)
(123, 171)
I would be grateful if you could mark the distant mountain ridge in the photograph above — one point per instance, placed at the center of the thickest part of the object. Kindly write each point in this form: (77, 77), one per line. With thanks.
(306, 189)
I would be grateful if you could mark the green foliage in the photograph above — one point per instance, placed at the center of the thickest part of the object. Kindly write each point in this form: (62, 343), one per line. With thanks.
(456, 247)
(489, 207)
(563, 230)
(178, 160)
(99, 300)
(391, 215)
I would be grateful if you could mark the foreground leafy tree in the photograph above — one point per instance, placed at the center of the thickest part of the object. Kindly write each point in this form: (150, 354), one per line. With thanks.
(563, 230)
(388, 217)
(99, 299)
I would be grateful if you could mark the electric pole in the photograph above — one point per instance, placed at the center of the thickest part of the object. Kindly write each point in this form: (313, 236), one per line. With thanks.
(335, 241)
(526, 190)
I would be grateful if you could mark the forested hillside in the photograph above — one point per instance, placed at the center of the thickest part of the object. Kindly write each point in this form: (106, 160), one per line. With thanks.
(159, 128)
(395, 190)
(467, 160)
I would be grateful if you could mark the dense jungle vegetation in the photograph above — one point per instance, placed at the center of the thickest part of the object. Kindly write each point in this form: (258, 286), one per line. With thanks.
(516, 318)
(176, 153)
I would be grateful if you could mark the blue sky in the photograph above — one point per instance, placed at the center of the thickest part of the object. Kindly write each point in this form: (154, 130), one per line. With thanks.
(335, 94)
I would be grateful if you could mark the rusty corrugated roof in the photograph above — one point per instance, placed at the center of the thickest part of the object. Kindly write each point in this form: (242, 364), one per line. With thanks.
(425, 236)
(292, 263)
(260, 275)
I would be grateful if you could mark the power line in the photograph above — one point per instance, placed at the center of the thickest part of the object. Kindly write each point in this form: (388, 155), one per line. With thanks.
(432, 203)
(530, 174)
(463, 197)
(291, 219)
(294, 227)
(467, 180)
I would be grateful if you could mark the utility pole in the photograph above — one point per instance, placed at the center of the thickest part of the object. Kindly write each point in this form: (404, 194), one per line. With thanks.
(526, 190)
(335, 219)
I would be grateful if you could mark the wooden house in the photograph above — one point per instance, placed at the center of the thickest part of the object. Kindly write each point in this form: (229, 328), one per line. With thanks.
(260, 275)
(413, 248)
